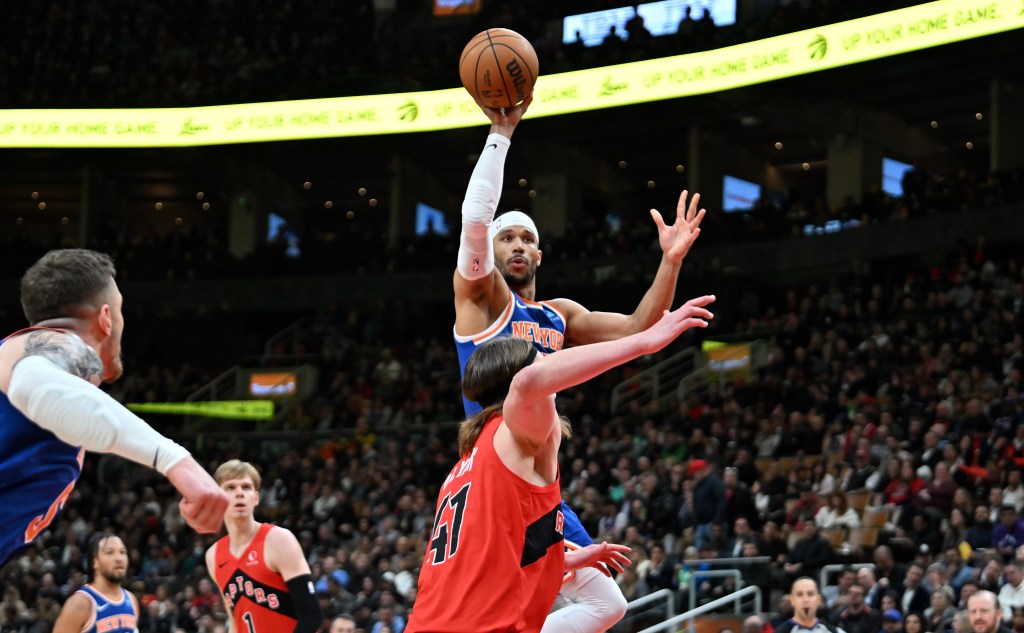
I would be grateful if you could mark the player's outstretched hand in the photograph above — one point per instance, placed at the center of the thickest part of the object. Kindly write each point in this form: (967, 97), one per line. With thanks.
(677, 239)
(505, 120)
(203, 503)
(693, 313)
(600, 557)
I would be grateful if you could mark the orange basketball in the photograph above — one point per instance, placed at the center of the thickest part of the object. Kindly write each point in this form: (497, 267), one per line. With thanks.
(499, 68)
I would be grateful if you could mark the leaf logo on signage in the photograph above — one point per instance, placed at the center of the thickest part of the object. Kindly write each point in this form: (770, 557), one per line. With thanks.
(609, 87)
(192, 128)
(408, 111)
(818, 47)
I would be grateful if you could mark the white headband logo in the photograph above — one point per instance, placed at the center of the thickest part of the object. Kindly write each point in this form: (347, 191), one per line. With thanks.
(513, 218)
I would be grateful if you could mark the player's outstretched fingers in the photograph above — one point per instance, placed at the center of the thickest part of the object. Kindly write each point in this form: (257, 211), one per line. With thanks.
(614, 555)
(701, 301)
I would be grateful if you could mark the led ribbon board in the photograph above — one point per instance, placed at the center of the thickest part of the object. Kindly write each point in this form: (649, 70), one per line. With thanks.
(227, 409)
(831, 46)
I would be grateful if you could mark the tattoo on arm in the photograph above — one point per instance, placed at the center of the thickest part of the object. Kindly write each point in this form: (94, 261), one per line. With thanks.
(67, 351)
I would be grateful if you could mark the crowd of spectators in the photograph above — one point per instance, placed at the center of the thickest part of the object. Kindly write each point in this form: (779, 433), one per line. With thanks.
(206, 53)
(906, 387)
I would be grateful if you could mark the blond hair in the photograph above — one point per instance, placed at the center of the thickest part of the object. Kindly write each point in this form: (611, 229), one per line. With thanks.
(237, 469)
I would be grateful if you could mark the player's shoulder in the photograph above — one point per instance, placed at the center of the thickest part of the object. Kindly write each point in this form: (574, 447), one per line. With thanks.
(43, 335)
(64, 348)
(566, 306)
(280, 535)
(80, 595)
(281, 549)
(80, 602)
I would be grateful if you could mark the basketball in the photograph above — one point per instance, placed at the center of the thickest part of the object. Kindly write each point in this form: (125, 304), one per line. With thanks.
(499, 68)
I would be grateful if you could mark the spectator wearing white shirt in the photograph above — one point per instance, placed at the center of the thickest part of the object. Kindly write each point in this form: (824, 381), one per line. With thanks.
(1011, 594)
(1013, 492)
(822, 480)
(837, 513)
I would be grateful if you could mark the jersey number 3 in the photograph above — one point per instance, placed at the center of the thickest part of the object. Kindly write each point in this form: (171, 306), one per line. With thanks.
(41, 522)
(450, 511)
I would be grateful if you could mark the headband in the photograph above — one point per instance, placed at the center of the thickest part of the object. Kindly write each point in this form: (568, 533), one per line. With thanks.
(512, 218)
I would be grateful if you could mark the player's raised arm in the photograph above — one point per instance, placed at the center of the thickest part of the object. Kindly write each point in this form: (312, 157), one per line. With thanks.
(529, 408)
(480, 292)
(584, 326)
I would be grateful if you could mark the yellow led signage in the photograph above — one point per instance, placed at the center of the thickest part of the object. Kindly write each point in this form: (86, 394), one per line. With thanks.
(228, 409)
(831, 46)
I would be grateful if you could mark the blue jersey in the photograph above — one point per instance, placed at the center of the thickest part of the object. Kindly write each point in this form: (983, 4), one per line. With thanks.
(540, 323)
(544, 325)
(109, 616)
(37, 474)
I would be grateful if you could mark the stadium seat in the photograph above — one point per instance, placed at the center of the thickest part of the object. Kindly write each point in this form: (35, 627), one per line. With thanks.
(857, 500)
(863, 537)
(874, 517)
(835, 536)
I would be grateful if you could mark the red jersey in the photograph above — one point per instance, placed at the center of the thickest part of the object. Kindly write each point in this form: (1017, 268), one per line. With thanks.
(258, 597)
(495, 560)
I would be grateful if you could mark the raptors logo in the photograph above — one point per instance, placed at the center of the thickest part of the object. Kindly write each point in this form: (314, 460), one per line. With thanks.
(559, 522)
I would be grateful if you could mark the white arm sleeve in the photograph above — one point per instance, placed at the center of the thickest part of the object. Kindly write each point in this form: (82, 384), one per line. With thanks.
(476, 253)
(82, 415)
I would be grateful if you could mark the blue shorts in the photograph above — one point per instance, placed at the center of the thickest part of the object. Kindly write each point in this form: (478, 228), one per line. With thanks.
(573, 529)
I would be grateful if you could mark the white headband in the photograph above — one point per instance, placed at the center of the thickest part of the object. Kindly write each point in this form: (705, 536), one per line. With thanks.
(512, 218)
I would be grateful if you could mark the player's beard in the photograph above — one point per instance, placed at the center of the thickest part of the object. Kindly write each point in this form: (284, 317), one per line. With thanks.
(518, 282)
(113, 363)
(112, 576)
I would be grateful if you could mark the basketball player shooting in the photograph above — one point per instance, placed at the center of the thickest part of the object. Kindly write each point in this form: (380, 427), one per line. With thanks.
(495, 295)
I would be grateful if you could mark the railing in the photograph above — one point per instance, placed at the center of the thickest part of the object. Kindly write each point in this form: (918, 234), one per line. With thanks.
(223, 387)
(712, 573)
(657, 382)
(755, 350)
(730, 561)
(670, 624)
(287, 331)
(220, 388)
(684, 373)
(667, 594)
(827, 569)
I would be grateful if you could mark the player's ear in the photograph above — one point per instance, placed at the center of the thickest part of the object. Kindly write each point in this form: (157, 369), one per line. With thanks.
(257, 498)
(104, 320)
(540, 256)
